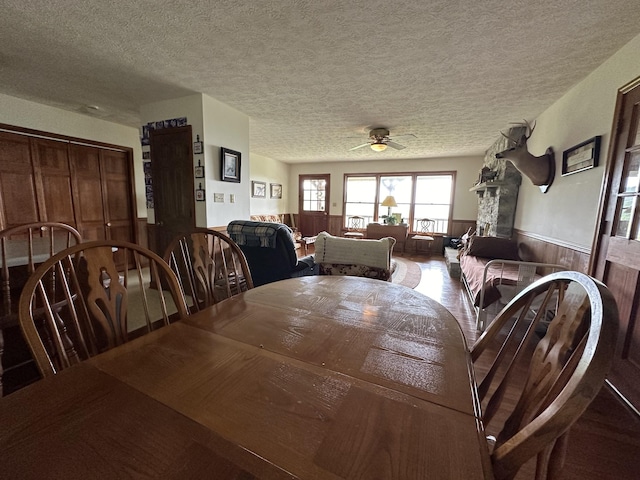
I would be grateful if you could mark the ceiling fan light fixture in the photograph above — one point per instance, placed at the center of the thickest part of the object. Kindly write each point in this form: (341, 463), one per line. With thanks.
(378, 147)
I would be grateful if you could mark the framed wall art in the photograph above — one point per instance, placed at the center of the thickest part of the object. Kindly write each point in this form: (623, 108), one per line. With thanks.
(200, 193)
(258, 189)
(276, 190)
(199, 170)
(230, 165)
(197, 145)
(581, 157)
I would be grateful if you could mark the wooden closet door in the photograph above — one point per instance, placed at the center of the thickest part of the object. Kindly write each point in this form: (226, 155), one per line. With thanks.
(17, 182)
(53, 184)
(103, 192)
(118, 200)
(88, 192)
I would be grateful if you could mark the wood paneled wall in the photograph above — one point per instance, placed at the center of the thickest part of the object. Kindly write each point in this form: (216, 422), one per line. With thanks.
(536, 249)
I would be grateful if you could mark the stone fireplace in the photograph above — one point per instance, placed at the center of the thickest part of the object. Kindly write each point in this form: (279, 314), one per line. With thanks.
(498, 196)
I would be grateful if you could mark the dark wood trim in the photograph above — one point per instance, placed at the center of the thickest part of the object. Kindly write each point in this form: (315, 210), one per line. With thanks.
(63, 138)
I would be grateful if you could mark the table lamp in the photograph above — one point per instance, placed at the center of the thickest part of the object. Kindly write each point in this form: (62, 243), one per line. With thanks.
(389, 201)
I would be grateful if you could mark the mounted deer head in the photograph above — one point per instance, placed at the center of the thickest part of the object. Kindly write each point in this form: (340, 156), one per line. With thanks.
(540, 170)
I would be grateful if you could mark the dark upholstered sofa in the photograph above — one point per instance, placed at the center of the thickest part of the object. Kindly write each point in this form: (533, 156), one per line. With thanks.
(270, 250)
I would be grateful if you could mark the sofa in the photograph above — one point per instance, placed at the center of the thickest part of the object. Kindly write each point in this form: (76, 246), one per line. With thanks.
(492, 272)
(355, 257)
(270, 250)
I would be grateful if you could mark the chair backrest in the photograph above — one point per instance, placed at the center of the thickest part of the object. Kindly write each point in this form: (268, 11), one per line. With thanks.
(547, 369)
(78, 303)
(24, 247)
(209, 265)
(356, 223)
(425, 225)
(269, 248)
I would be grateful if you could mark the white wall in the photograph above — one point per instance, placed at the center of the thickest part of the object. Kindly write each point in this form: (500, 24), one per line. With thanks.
(218, 125)
(465, 206)
(567, 214)
(269, 171)
(23, 113)
(228, 128)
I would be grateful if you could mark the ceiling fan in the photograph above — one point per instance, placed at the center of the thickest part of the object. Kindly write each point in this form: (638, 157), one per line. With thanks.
(379, 140)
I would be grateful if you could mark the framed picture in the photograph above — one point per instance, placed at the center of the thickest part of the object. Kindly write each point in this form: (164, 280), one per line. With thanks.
(197, 145)
(230, 165)
(200, 193)
(276, 190)
(258, 189)
(581, 157)
(199, 170)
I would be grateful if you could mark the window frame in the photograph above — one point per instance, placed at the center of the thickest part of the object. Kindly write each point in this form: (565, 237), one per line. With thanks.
(414, 176)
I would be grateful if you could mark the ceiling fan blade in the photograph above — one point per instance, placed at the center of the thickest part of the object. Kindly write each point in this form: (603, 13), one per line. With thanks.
(360, 146)
(395, 145)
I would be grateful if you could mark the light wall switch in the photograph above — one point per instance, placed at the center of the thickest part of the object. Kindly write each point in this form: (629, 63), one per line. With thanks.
(218, 197)
(232, 198)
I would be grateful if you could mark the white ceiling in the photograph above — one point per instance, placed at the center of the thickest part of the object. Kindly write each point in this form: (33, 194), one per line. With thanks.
(314, 76)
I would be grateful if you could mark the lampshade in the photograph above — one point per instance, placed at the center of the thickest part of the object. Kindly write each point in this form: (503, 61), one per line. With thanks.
(389, 201)
(379, 146)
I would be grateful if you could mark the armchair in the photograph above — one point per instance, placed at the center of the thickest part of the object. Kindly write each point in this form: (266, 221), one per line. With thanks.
(270, 251)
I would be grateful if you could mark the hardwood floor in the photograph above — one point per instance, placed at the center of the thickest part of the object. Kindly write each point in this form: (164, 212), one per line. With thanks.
(603, 444)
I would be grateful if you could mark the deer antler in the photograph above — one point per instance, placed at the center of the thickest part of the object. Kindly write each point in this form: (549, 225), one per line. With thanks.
(515, 142)
(525, 137)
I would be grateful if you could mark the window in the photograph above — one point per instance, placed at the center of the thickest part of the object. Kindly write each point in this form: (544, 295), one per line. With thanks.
(417, 195)
(314, 195)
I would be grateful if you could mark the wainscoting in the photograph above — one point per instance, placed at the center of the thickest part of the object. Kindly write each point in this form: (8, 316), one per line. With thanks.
(538, 249)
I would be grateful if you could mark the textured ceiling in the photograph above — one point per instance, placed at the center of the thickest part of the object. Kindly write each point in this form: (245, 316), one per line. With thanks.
(315, 76)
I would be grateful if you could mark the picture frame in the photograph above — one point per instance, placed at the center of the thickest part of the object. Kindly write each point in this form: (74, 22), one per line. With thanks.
(197, 146)
(258, 189)
(199, 170)
(230, 165)
(275, 190)
(200, 194)
(581, 157)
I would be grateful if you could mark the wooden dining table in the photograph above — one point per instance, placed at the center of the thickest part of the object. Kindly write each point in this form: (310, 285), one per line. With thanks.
(321, 377)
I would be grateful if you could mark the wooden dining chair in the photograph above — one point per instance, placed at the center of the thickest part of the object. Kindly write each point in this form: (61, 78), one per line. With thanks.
(22, 248)
(424, 235)
(79, 303)
(539, 372)
(355, 227)
(209, 265)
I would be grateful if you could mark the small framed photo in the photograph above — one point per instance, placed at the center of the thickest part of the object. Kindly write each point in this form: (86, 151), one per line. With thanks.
(581, 157)
(230, 165)
(197, 146)
(276, 190)
(200, 193)
(258, 189)
(199, 171)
